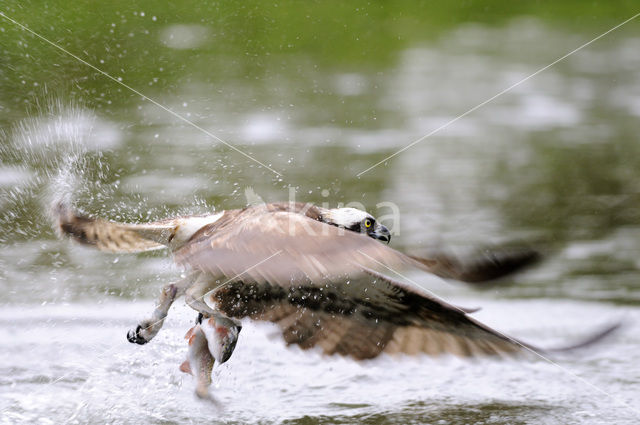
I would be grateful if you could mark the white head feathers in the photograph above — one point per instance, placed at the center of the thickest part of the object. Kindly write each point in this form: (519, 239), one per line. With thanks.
(345, 217)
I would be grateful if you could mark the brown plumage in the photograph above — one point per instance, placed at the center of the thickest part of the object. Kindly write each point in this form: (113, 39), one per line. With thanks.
(299, 245)
(109, 236)
(325, 286)
(374, 314)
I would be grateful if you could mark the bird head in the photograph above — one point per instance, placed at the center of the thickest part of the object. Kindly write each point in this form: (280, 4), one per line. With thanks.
(357, 221)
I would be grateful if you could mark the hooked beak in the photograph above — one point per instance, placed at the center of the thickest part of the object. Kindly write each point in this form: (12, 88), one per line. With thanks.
(381, 233)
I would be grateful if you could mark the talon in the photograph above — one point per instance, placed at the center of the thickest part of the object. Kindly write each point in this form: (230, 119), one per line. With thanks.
(174, 290)
(134, 337)
(201, 317)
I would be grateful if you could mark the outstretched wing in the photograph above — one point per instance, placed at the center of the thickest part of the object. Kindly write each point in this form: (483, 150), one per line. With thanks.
(128, 238)
(251, 235)
(484, 266)
(282, 247)
(364, 318)
(375, 314)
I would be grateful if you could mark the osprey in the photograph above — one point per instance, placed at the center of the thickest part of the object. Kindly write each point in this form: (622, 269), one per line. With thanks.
(322, 275)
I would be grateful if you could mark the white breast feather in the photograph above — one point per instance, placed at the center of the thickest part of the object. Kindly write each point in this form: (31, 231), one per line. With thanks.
(188, 226)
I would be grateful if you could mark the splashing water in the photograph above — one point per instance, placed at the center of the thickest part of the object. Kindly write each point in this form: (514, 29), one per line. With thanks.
(50, 152)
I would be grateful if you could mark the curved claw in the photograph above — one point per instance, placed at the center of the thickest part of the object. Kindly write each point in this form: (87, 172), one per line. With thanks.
(135, 337)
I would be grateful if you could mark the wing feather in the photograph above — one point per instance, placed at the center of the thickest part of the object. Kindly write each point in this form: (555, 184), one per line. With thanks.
(228, 243)
(116, 237)
(283, 247)
(484, 266)
(370, 316)
(109, 236)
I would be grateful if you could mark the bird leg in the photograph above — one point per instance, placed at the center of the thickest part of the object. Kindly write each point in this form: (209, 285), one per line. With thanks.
(195, 294)
(149, 328)
(194, 297)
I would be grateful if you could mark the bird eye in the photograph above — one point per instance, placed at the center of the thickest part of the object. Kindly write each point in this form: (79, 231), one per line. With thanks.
(368, 223)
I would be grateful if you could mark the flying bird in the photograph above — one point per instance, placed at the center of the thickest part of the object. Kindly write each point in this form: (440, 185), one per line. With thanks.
(322, 275)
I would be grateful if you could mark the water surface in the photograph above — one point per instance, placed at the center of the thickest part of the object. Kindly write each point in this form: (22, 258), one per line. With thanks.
(553, 163)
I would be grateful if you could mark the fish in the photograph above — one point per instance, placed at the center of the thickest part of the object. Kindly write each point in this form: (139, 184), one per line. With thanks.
(199, 362)
(222, 336)
(211, 340)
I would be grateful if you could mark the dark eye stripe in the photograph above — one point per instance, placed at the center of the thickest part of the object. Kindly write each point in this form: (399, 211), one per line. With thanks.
(355, 227)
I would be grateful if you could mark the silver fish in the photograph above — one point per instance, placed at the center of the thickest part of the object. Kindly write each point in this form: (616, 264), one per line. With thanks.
(199, 361)
(213, 339)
